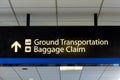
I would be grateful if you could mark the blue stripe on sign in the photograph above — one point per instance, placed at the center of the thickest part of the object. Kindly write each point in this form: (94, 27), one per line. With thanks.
(59, 60)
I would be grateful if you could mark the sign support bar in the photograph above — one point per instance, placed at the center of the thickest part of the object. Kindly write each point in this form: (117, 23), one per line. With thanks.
(95, 19)
(28, 19)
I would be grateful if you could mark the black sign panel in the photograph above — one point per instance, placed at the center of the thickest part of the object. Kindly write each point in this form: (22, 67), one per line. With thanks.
(60, 42)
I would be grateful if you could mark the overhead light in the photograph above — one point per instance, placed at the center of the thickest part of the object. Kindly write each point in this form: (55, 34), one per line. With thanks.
(119, 79)
(24, 68)
(31, 78)
(66, 68)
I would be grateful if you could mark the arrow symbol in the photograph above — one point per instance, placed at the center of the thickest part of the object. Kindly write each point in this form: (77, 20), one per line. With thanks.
(16, 45)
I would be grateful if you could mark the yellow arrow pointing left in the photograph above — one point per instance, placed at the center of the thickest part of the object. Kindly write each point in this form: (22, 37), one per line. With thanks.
(16, 45)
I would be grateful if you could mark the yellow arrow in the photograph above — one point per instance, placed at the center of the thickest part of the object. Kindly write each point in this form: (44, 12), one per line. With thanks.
(15, 45)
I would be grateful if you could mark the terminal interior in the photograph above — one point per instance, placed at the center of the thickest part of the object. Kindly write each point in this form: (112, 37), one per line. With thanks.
(60, 13)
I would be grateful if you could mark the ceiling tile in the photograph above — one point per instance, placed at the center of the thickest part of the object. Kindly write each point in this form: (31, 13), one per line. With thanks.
(109, 78)
(4, 4)
(6, 17)
(31, 72)
(112, 70)
(76, 23)
(33, 3)
(110, 14)
(111, 3)
(111, 73)
(91, 73)
(109, 23)
(39, 16)
(49, 73)
(7, 73)
(79, 3)
(70, 75)
(77, 13)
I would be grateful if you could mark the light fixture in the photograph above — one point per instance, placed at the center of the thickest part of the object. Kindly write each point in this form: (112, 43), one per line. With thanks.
(31, 78)
(119, 79)
(24, 68)
(66, 68)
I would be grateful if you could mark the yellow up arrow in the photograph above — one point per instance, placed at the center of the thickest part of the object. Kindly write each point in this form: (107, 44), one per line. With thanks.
(15, 45)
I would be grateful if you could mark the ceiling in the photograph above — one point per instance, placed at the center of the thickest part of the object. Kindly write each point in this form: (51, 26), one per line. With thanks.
(54, 73)
(65, 12)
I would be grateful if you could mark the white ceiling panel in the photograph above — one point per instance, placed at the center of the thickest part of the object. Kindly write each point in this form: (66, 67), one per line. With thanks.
(111, 3)
(49, 73)
(79, 3)
(77, 14)
(112, 70)
(8, 24)
(111, 73)
(4, 4)
(33, 3)
(42, 23)
(110, 14)
(6, 17)
(7, 73)
(109, 78)
(70, 75)
(28, 74)
(39, 16)
(76, 23)
(109, 23)
(91, 73)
